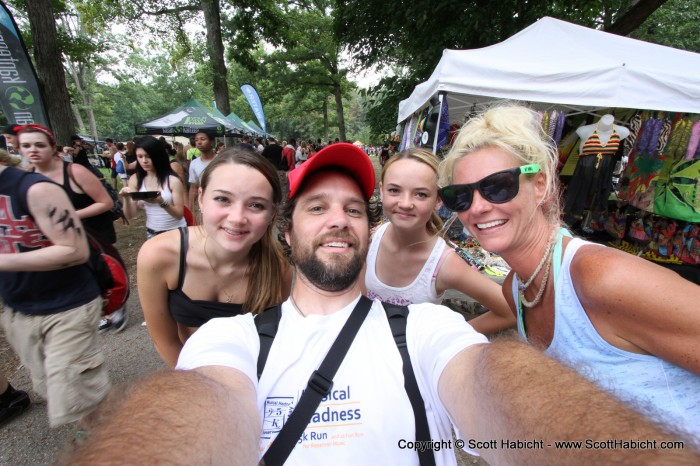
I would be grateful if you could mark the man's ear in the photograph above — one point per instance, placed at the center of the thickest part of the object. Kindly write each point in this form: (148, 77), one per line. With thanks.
(287, 238)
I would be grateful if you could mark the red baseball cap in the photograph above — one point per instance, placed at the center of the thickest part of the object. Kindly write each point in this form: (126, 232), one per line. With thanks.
(341, 155)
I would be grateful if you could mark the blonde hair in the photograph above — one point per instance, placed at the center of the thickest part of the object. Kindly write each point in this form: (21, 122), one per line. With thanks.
(434, 224)
(515, 130)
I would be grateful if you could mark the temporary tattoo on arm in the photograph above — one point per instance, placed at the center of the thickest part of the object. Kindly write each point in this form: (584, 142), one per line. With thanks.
(65, 220)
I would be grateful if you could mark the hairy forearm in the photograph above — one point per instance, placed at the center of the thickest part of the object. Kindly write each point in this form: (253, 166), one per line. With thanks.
(173, 417)
(516, 393)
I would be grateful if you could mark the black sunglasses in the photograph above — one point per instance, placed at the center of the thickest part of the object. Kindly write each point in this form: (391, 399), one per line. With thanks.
(496, 188)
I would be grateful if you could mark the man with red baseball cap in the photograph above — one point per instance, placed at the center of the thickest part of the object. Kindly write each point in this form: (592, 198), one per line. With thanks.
(237, 396)
(343, 156)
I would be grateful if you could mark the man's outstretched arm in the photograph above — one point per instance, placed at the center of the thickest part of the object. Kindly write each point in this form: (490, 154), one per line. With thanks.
(507, 391)
(204, 416)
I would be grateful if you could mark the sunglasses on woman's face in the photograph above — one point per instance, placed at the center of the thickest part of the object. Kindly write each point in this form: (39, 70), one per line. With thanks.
(496, 188)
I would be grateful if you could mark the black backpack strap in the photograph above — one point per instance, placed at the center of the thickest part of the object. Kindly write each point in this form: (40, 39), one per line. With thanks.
(398, 318)
(267, 323)
(184, 246)
(320, 384)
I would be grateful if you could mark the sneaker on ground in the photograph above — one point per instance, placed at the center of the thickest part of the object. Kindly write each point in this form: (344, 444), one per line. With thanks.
(105, 324)
(20, 401)
(119, 319)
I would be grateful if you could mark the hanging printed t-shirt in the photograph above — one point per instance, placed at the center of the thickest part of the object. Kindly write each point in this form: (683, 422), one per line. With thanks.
(367, 413)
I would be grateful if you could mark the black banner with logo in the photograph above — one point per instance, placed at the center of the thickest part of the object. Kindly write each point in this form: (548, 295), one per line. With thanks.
(20, 96)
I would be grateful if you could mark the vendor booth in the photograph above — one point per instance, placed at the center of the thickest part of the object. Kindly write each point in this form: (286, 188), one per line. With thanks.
(555, 64)
(237, 121)
(575, 75)
(187, 120)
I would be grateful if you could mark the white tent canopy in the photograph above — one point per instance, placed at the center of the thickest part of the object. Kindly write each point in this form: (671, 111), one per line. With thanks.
(555, 62)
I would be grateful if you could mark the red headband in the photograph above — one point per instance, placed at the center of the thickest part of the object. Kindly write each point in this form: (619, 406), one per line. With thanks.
(39, 128)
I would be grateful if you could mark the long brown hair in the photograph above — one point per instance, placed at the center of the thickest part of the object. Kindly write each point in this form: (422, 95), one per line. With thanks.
(266, 261)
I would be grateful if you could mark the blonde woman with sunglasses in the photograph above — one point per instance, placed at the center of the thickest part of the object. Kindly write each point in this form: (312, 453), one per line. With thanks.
(626, 324)
(408, 261)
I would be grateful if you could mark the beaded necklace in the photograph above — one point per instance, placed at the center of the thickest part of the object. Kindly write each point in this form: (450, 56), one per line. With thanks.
(546, 258)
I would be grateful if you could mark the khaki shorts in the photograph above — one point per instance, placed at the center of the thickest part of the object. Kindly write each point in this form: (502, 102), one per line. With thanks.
(64, 358)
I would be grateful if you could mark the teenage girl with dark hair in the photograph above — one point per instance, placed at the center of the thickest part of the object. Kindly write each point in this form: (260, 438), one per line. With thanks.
(164, 211)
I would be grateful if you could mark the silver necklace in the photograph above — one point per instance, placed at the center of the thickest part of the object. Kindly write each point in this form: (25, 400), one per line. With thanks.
(546, 257)
(296, 306)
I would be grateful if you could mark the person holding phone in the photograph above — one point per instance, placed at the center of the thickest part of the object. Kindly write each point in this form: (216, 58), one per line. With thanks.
(155, 188)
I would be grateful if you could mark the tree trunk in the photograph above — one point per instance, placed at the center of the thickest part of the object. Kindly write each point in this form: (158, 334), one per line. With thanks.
(85, 74)
(81, 86)
(337, 92)
(50, 69)
(78, 118)
(634, 17)
(215, 49)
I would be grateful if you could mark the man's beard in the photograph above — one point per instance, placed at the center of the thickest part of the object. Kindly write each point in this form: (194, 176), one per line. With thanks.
(333, 275)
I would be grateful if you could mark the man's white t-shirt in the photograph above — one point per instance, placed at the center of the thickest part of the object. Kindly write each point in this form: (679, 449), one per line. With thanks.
(197, 166)
(367, 418)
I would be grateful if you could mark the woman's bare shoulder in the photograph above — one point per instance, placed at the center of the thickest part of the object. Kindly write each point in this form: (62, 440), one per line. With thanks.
(162, 250)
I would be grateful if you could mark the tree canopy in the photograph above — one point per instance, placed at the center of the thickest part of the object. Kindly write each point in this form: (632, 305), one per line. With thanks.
(126, 62)
(411, 37)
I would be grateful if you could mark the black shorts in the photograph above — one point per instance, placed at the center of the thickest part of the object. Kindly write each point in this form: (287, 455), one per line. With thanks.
(114, 173)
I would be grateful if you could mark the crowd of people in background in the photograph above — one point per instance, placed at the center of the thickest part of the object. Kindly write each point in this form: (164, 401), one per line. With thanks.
(213, 250)
(162, 179)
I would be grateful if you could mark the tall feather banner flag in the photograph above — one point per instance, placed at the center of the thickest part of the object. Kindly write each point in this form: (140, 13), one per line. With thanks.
(20, 95)
(253, 99)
